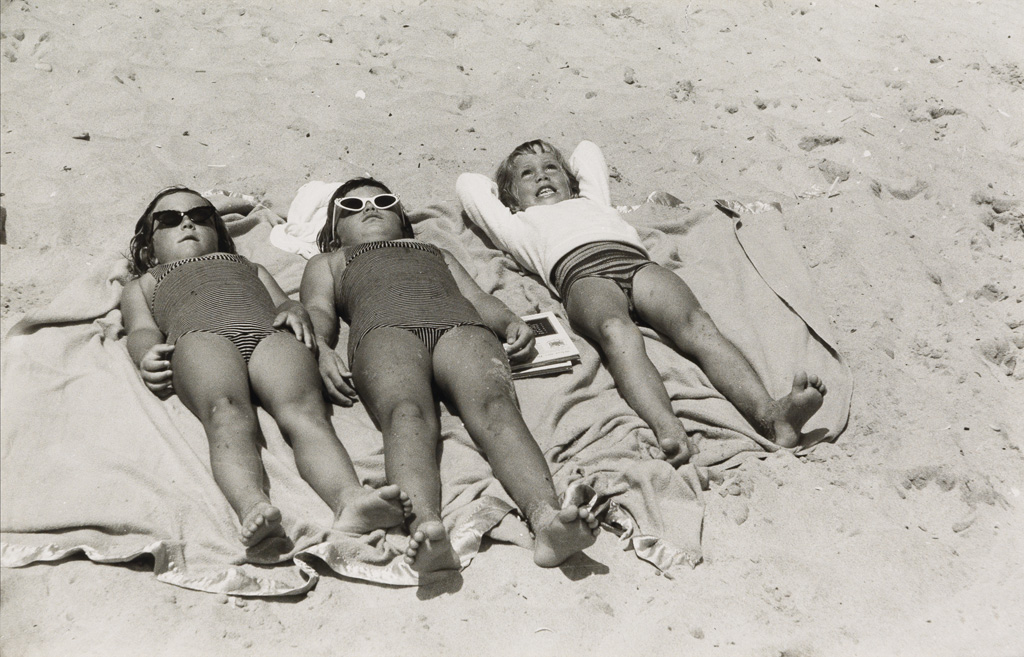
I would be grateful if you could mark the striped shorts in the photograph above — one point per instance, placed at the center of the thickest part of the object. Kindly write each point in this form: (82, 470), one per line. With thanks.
(614, 261)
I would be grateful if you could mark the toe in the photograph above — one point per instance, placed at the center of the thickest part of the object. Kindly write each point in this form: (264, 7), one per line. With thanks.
(389, 492)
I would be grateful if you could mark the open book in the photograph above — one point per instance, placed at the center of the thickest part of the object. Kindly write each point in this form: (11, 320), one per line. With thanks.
(555, 351)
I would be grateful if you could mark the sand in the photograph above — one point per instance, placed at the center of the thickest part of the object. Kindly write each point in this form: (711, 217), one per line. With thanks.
(896, 127)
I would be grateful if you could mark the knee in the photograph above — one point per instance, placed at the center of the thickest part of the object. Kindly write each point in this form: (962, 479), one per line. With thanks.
(229, 411)
(616, 333)
(497, 400)
(302, 407)
(694, 323)
(408, 412)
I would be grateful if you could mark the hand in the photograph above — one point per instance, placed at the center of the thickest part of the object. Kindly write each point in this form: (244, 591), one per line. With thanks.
(337, 379)
(155, 368)
(518, 339)
(297, 320)
(273, 218)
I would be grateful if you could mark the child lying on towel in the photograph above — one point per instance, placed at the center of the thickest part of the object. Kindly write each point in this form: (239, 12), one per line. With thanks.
(556, 220)
(419, 324)
(217, 329)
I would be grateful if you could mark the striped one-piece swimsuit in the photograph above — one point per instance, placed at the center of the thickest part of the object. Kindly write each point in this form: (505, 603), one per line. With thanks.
(220, 293)
(401, 284)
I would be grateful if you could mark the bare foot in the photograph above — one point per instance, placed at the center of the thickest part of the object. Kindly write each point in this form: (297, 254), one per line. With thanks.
(260, 521)
(372, 509)
(676, 446)
(792, 411)
(562, 534)
(430, 550)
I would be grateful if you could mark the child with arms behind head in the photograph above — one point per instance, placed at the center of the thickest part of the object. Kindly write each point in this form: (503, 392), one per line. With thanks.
(556, 220)
(420, 325)
(216, 329)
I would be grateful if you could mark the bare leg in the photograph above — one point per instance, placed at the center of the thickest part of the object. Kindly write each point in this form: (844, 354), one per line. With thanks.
(211, 380)
(285, 378)
(599, 310)
(664, 301)
(472, 370)
(393, 373)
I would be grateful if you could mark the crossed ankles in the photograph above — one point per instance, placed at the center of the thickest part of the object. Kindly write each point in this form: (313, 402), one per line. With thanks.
(369, 509)
(430, 549)
(261, 521)
(561, 533)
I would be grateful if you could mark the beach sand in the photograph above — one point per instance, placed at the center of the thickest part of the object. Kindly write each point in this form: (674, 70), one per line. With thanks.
(898, 128)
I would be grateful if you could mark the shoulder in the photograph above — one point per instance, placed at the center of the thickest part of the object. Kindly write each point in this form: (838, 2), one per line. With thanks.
(135, 286)
(138, 291)
(331, 263)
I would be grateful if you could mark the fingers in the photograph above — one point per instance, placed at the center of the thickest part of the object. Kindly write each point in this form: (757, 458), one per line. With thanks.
(157, 377)
(301, 331)
(518, 339)
(336, 379)
(336, 397)
(342, 395)
(163, 350)
(297, 325)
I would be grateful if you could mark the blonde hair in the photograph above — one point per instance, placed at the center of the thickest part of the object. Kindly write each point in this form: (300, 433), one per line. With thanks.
(506, 179)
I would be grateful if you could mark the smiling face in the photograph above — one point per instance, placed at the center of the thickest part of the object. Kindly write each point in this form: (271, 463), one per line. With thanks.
(369, 224)
(189, 238)
(539, 179)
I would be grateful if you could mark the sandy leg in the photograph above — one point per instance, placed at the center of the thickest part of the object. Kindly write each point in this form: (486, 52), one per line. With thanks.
(260, 521)
(562, 534)
(372, 509)
(790, 413)
(430, 550)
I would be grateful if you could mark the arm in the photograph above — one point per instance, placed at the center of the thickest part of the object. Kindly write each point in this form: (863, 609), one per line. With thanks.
(587, 162)
(236, 203)
(146, 346)
(496, 315)
(317, 294)
(479, 196)
(290, 313)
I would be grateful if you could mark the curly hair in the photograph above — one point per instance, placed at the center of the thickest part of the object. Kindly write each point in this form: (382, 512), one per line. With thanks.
(327, 239)
(505, 176)
(140, 250)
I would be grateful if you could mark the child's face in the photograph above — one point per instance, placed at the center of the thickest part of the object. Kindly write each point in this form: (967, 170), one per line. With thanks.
(539, 179)
(183, 227)
(371, 224)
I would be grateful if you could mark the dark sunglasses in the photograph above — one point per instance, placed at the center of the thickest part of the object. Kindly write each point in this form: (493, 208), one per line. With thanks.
(357, 203)
(202, 215)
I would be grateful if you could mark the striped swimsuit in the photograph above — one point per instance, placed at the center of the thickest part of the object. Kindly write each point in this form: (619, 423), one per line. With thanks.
(401, 284)
(614, 261)
(220, 293)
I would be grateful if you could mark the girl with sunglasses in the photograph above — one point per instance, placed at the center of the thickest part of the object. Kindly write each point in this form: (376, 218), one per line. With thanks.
(418, 323)
(216, 329)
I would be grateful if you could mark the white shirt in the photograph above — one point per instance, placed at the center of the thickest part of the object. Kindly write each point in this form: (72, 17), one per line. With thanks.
(539, 236)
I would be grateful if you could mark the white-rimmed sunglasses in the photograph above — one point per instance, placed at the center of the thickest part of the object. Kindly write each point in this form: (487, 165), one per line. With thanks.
(357, 203)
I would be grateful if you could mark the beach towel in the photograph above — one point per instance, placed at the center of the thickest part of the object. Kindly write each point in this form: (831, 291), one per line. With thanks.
(307, 214)
(746, 272)
(91, 462)
(148, 490)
